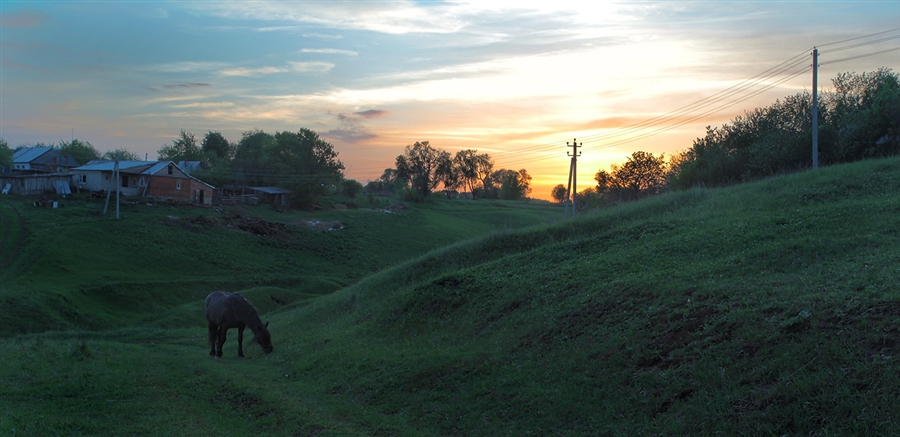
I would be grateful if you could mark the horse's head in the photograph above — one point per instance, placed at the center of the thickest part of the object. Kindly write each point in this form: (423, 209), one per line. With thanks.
(264, 339)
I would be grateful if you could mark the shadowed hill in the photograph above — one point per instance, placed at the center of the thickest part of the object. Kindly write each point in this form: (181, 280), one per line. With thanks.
(766, 308)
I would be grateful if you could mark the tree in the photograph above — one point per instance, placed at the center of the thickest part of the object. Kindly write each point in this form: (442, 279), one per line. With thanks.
(6, 155)
(121, 155)
(558, 193)
(514, 185)
(473, 169)
(421, 165)
(80, 151)
(185, 148)
(305, 164)
(604, 182)
(448, 175)
(589, 198)
(641, 176)
(350, 188)
(251, 163)
(215, 145)
(859, 120)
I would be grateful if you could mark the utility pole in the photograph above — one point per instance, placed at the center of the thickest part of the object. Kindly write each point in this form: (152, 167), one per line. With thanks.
(114, 178)
(573, 171)
(815, 109)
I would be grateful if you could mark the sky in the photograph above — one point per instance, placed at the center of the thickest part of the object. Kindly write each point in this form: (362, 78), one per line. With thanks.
(518, 80)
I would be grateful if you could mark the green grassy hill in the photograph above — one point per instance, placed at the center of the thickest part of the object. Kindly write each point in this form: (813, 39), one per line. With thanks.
(771, 308)
(74, 267)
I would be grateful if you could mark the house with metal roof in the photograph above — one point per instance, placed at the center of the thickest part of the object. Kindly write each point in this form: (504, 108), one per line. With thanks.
(37, 170)
(41, 160)
(162, 180)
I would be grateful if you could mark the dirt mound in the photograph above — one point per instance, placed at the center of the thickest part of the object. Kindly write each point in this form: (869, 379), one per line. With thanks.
(322, 226)
(260, 227)
(207, 221)
(397, 207)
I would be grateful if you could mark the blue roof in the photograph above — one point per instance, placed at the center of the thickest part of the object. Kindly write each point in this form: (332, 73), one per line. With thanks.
(110, 165)
(28, 154)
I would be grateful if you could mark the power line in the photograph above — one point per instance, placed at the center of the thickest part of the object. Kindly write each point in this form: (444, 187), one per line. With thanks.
(859, 37)
(714, 99)
(663, 123)
(860, 56)
(863, 44)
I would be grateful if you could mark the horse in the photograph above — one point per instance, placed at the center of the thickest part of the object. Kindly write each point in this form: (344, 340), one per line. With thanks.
(226, 310)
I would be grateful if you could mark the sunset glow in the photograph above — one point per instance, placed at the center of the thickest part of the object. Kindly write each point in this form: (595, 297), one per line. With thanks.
(514, 79)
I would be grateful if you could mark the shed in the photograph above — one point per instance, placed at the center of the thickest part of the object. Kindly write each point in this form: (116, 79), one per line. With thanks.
(275, 196)
(36, 183)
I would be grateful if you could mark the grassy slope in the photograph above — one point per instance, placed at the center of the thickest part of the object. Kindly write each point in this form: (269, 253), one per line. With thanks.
(76, 268)
(765, 309)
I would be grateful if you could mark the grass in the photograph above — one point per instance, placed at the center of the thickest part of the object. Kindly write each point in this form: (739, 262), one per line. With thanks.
(769, 308)
(92, 271)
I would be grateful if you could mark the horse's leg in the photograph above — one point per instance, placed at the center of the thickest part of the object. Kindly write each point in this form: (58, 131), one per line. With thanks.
(213, 337)
(222, 332)
(241, 341)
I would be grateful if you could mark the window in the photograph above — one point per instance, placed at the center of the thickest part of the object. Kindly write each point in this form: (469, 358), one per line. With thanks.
(178, 185)
(83, 178)
(170, 172)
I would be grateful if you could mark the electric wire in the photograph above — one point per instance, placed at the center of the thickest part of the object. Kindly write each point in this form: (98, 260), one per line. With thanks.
(541, 151)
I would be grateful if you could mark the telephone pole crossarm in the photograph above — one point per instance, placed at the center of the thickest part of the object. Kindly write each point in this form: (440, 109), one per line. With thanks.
(573, 170)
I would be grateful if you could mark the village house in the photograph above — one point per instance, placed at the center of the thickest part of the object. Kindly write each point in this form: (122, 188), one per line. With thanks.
(41, 160)
(151, 179)
(37, 170)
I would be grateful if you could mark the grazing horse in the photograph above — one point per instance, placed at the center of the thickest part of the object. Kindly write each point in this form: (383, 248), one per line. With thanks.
(226, 310)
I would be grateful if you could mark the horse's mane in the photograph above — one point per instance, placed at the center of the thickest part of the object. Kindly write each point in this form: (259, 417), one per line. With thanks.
(248, 314)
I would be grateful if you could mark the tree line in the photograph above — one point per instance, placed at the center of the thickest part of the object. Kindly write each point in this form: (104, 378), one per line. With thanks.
(859, 119)
(299, 161)
(422, 168)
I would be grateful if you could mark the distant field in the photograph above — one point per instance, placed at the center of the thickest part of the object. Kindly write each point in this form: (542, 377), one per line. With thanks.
(74, 267)
(770, 308)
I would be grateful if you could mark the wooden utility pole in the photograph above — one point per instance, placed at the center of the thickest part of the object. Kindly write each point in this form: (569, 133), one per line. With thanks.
(573, 171)
(815, 109)
(113, 179)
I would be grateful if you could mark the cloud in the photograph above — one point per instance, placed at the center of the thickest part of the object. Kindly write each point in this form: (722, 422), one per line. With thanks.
(322, 35)
(351, 129)
(372, 113)
(185, 85)
(22, 20)
(186, 67)
(331, 51)
(383, 17)
(299, 67)
(304, 67)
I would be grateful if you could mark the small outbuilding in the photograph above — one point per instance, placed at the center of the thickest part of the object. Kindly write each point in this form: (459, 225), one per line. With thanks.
(275, 196)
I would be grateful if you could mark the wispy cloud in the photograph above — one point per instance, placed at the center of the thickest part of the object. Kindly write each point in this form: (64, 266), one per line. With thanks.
(383, 17)
(351, 128)
(22, 19)
(185, 85)
(297, 67)
(185, 67)
(372, 113)
(322, 36)
(331, 51)
(317, 67)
